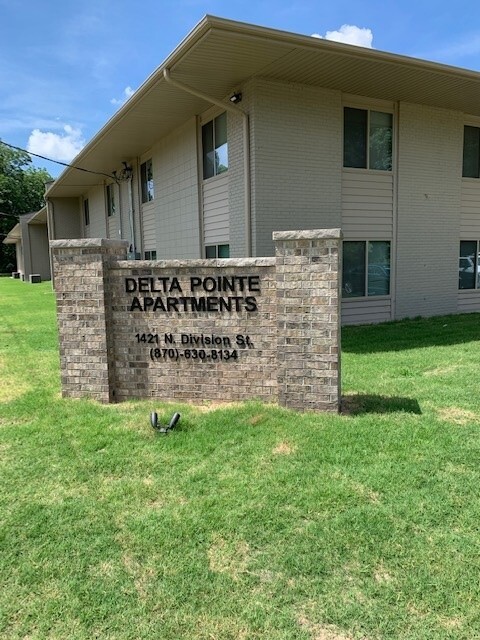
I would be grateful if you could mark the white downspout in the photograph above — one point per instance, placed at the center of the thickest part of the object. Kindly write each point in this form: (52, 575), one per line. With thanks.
(246, 149)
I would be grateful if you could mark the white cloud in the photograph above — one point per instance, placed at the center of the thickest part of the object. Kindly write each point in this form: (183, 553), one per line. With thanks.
(349, 34)
(127, 93)
(63, 147)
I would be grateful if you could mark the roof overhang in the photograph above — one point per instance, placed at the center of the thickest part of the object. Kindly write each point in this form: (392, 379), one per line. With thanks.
(219, 55)
(14, 235)
(37, 217)
(34, 218)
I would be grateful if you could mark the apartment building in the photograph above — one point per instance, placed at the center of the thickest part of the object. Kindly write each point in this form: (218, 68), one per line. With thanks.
(244, 130)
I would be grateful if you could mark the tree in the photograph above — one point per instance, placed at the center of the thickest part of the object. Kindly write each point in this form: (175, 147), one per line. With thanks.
(22, 189)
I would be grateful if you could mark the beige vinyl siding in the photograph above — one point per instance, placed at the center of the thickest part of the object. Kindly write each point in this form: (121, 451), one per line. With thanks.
(367, 205)
(19, 257)
(470, 213)
(66, 218)
(40, 262)
(96, 204)
(366, 310)
(367, 214)
(216, 219)
(468, 301)
(149, 241)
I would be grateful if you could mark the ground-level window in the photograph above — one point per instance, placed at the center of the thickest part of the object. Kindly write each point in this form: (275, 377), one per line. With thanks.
(110, 200)
(146, 179)
(471, 152)
(366, 268)
(367, 139)
(86, 213)
(469, 267)
(215, 147)
(217, 251)
(150, 255)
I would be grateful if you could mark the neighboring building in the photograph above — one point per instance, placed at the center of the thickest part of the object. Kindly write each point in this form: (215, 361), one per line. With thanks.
(30, 237)
(245, 130)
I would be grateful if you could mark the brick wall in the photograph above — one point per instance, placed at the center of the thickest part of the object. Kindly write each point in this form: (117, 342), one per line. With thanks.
(196, 330)
(296, 133)
(429, 207)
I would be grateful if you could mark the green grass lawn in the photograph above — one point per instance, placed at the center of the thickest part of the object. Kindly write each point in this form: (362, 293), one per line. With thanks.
(248, 521)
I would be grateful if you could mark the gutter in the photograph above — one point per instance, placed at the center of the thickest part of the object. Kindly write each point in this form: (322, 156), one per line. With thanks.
(246, 150)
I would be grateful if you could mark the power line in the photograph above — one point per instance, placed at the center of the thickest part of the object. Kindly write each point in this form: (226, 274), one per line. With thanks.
(64, 164)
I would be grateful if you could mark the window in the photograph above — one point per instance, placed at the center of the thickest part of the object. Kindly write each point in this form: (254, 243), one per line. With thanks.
(367, 139)
(471, 152)
(150, 255)
(86, 213)
(110, 200)
(146, 178)
(468, 267)
(217, 251)
(215, 147)
(366, 268)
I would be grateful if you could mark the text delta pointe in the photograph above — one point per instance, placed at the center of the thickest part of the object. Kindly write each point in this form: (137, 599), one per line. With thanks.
(196, 294)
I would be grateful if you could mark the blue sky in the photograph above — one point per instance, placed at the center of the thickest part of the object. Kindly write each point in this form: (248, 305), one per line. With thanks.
(65, 67)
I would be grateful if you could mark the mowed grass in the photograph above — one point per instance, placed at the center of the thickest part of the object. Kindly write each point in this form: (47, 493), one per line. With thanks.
(248, 521)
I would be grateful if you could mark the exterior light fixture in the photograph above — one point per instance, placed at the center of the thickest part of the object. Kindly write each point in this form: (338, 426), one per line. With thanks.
(127, 171)
(235, 98)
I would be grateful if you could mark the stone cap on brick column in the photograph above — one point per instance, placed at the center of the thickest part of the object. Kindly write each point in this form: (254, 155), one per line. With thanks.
(312, 234)
(88, 243)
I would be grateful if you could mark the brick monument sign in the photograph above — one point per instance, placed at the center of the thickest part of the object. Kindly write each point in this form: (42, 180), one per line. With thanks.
(193, 330)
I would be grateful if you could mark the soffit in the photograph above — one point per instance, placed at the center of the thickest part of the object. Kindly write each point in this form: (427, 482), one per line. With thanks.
(39, 217)
(14, 235)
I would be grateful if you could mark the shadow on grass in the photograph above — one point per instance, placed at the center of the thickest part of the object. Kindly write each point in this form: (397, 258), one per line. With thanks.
(358, 403)
(412, 334)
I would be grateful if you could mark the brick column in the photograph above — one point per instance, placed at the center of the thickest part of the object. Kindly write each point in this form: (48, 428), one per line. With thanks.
(308, 308)
(80, 269)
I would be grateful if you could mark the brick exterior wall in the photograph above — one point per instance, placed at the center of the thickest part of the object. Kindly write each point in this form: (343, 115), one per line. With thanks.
(429, 209)
(84, 315)
(137, 329)
(296, 151)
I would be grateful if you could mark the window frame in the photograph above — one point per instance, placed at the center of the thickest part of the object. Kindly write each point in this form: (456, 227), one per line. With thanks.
(471, 125)
(383, 109)
(476, 266)
(150, 254)
(212, 120)
(366, 295)
(147, 186)
(217, 247)
(86, 213)
(110, 196)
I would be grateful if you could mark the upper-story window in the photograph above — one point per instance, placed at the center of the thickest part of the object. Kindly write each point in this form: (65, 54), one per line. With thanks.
(110, 200)
(471, 152)
(367, 139)
(215, 147)
(146, 178)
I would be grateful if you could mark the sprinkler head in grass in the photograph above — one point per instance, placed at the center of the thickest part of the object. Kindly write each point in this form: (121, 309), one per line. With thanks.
(158, 427)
